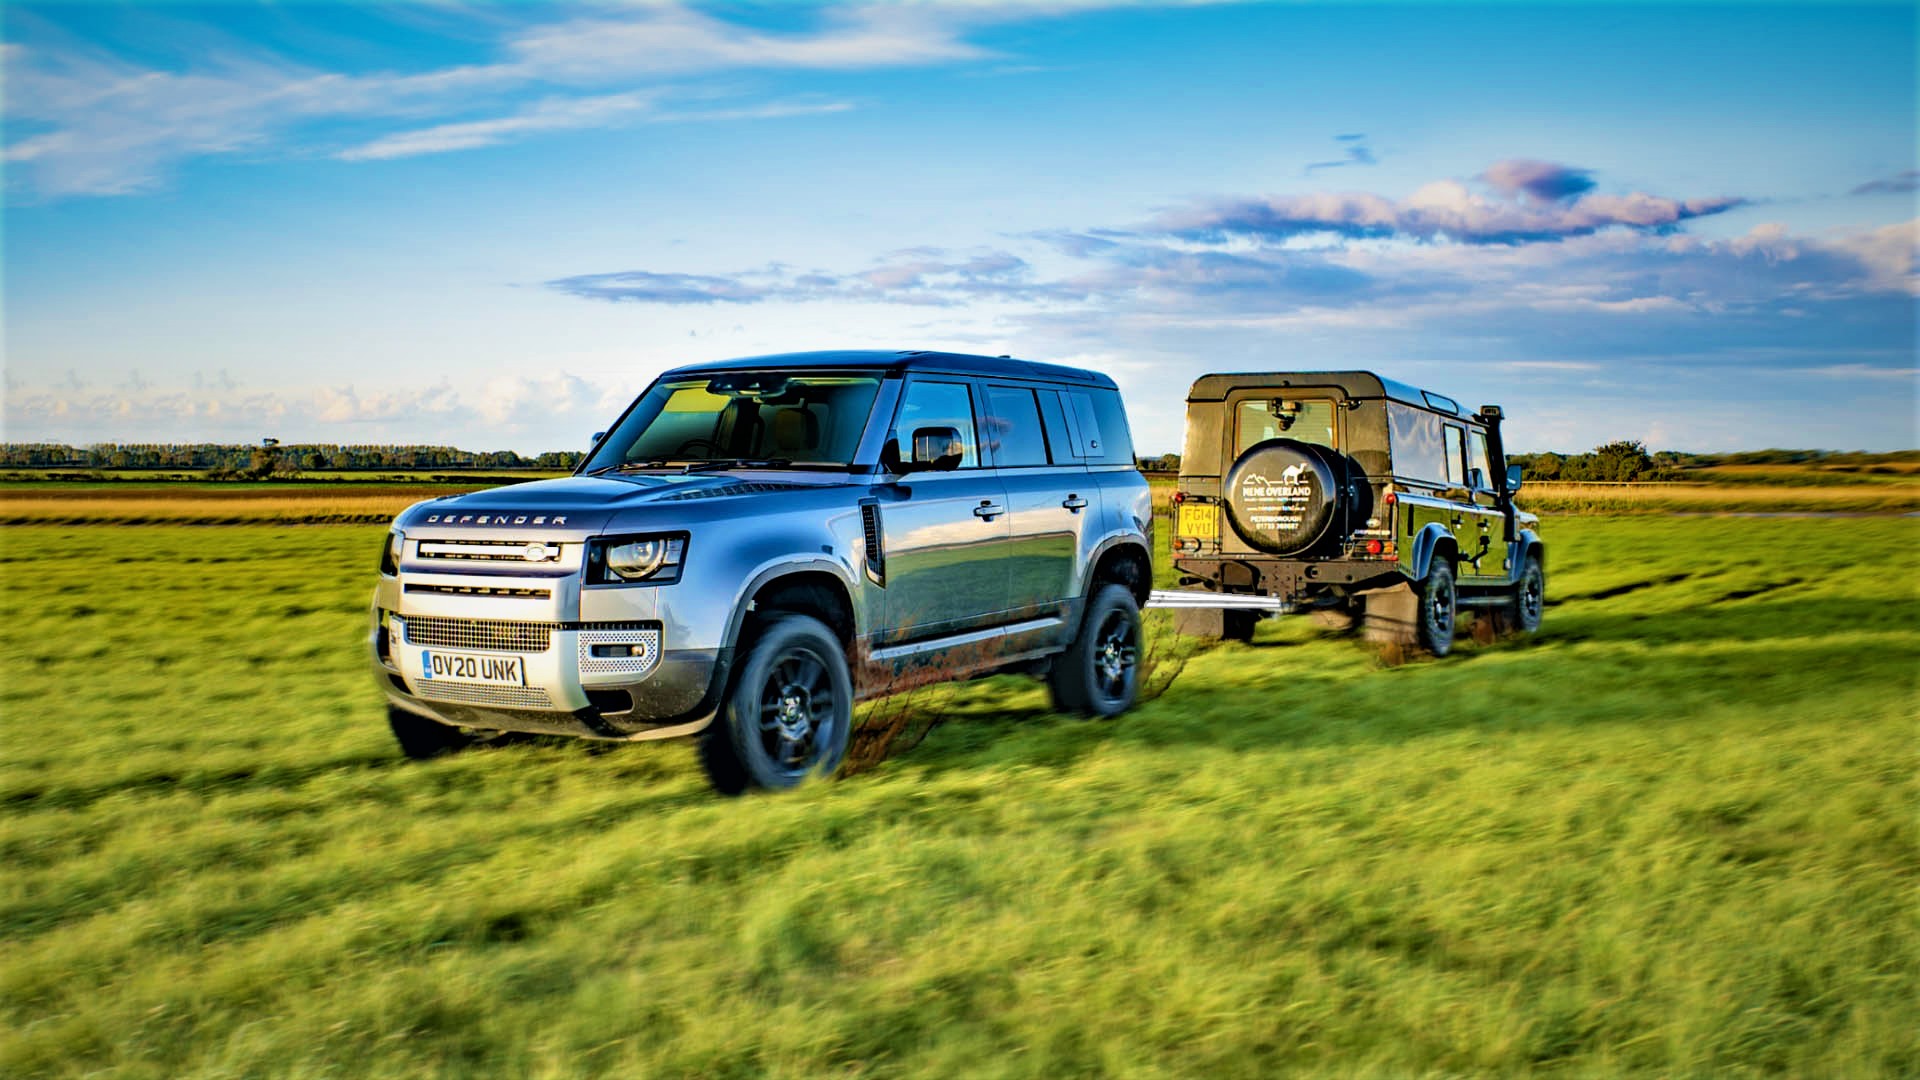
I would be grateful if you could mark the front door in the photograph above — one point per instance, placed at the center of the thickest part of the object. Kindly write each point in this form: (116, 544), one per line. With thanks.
(945, 534)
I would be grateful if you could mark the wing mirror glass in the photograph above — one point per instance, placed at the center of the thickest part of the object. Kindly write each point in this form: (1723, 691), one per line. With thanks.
(937, 449)
(1513, 478)
(597, 436)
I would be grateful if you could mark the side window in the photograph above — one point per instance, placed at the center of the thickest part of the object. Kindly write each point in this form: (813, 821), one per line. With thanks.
(1116, 448)
(1012, 427)
(938, 404)
(1086, 426)
(1479, 468)
(1417, 450)
(1059, 435)
(1456, 474)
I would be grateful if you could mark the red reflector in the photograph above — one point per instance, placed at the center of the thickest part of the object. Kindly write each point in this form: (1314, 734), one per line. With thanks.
(1373, 547)
(1179, 497)
(1391, 499)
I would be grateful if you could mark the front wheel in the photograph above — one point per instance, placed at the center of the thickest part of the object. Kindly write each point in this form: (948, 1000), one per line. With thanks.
(1522, 614)
(1439, 605)
(789, 714)
(1099, 674)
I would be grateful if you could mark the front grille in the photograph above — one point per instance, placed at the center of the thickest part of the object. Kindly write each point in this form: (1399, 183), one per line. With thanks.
(482, 590)
(518, 697)
(497, 635)
(487, 550)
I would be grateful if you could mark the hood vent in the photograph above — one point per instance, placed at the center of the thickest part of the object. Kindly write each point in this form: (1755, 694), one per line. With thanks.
(744, 487)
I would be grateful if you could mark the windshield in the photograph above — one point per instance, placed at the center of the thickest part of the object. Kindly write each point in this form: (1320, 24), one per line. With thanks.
(751, 417)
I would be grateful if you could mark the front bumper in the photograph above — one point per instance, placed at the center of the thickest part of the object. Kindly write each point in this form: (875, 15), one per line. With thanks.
(567, 690)
(604, 663)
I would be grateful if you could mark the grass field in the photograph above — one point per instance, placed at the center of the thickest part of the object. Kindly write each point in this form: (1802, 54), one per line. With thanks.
(1674, 835)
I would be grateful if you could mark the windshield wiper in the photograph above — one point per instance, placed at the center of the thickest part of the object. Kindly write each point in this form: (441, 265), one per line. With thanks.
(713, 464)
(628, 466)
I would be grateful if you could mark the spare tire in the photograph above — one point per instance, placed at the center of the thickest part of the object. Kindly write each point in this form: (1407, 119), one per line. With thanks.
(1282, 495)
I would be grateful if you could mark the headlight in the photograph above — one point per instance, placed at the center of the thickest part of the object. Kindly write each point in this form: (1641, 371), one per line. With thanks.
(652, 559)
(390, 553)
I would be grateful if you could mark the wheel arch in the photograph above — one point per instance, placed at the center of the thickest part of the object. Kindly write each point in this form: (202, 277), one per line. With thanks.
(1432, 539)
(1122, 560)
(814, 587)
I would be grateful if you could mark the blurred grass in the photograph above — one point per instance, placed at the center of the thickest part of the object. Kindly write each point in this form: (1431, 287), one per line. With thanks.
(1673, 834)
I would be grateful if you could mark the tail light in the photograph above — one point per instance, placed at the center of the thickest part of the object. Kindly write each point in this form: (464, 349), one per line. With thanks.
(1375, 547)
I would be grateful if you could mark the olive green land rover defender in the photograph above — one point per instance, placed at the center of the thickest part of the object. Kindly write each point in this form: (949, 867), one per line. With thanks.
(1357, 498)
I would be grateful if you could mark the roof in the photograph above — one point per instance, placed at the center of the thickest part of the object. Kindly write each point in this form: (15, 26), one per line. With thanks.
(1359, 385)
(906, 360)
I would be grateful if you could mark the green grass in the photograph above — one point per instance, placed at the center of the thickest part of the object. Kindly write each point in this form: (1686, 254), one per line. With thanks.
(1673, 835)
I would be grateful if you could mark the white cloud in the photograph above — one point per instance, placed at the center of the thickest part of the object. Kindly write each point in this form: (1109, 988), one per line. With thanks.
(89, 123)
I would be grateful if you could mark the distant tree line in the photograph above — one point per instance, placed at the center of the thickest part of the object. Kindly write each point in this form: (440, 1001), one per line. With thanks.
(270, 458)
(1629, 460)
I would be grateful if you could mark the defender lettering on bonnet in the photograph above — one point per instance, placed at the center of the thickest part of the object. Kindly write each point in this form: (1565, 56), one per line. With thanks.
(496, 519)
(759, 543)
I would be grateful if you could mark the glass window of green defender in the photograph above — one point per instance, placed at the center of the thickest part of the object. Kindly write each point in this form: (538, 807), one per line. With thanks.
(1260, 419)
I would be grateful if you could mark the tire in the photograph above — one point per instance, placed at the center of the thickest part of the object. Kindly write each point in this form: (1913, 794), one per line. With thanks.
(421, 738)
(1523, 613)
(788, 716)
(1099, 674)
(1439, 609)
(1283, 495)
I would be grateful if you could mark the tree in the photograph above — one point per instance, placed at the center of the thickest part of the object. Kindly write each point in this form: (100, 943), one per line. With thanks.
(1621, 461)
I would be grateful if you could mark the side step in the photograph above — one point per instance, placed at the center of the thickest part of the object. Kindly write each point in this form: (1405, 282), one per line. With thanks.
(1195, 598)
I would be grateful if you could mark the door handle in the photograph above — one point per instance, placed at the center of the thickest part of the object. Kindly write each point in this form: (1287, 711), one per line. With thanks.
(988, 510)
(1075, 503)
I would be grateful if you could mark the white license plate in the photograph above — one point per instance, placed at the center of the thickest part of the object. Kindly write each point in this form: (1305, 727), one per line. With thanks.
(472, 668)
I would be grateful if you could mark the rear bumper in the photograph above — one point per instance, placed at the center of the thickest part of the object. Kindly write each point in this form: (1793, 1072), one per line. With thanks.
(1297, 581)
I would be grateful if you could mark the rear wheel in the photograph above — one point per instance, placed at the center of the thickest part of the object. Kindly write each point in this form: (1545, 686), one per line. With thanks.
(789, 714)
(1439, 607)
(421, 738)
(1099, 674)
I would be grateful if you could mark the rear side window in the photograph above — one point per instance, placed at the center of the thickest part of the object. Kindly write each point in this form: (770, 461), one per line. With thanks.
(1059, 437)
(1012, 427)
(1099, 426)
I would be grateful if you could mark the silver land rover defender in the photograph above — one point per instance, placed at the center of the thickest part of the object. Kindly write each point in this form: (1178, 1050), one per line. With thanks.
(759, 543)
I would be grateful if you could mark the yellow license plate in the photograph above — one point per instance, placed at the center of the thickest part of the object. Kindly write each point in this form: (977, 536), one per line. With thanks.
(1198, 519)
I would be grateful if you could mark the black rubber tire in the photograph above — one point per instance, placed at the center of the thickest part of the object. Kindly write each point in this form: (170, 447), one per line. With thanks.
(1522, 614)
(1439, 609)
(1099, 674)
(1239, 625)
(793, 691)
(421, 738)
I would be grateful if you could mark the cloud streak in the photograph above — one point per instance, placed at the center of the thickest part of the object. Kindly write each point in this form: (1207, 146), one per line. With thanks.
(85, 122)
(1526, 202)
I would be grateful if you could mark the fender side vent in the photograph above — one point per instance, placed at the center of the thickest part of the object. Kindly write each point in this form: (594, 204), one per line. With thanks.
(876, 556)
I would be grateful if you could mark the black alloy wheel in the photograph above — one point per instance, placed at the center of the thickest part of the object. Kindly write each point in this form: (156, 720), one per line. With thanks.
(790, 713)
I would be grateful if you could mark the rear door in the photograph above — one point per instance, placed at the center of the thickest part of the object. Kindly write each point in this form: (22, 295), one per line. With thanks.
(1050, 499)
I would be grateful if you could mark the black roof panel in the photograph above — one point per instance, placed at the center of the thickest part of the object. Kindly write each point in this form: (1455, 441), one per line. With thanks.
(905, 361)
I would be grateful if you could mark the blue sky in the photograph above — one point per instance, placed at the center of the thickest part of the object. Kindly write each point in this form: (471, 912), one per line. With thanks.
(491, 225)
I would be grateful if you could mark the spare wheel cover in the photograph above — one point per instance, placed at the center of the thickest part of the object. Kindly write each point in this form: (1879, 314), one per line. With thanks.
(1280, 495)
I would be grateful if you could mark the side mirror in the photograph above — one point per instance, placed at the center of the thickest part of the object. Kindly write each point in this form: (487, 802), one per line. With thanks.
(1513, 478)
(597, 436)
(937, 448)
